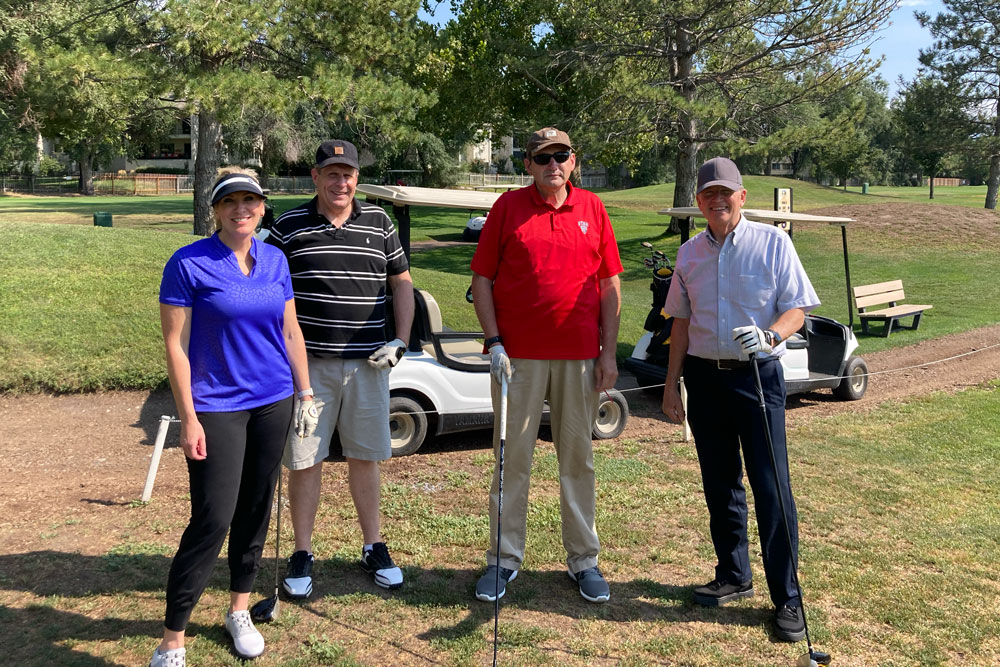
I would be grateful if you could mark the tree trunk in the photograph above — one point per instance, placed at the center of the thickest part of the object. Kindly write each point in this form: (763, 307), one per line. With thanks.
(931, 179)
(767, 165)
(993, 182)
(86, 160)
(686, 163)
(206, 163)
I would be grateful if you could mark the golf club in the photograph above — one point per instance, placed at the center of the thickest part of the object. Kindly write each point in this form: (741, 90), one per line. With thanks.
(266, 610)
(503, 437)
(812, 658)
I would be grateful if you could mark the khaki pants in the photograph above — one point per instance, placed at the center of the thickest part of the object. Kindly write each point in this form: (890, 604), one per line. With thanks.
(569, 387)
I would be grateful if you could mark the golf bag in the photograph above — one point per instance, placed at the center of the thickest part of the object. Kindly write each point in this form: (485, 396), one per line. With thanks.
(658, 322)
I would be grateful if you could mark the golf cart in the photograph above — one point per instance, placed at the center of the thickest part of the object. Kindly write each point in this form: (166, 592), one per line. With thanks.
(442, 383)
(821, 355)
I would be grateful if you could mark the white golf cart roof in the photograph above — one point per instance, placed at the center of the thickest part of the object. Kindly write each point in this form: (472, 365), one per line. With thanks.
(405, 195)
(760, 215)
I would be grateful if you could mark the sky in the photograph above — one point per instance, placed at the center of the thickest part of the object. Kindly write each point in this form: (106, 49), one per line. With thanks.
(900, 43)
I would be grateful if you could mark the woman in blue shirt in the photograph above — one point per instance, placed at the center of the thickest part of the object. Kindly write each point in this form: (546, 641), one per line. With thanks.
(235, 357)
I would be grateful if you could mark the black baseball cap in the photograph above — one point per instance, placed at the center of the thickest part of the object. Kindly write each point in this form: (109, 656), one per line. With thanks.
(235, 183)
(337, 151)
(720, 171)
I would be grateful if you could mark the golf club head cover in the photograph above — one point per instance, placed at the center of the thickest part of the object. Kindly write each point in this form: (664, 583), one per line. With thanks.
(752, 340)
(388, 355)
(500, 366)
(306, 418)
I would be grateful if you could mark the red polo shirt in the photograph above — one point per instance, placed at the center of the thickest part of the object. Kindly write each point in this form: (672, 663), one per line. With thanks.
(546, 264)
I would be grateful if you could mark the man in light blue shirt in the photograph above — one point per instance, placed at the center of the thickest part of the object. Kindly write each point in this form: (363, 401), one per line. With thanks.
(738, 289)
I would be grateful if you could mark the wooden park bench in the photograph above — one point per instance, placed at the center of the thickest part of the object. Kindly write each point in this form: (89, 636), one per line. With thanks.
(890, 293)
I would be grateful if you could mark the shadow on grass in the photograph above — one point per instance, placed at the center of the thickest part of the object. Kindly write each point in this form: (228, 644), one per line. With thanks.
(41, 635)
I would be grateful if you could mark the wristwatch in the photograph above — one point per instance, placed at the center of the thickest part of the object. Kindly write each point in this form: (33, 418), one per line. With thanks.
(491, 341)
(302, 394)
(772, 337)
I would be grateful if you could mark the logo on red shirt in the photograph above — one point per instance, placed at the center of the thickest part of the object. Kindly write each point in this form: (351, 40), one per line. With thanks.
(584, 225)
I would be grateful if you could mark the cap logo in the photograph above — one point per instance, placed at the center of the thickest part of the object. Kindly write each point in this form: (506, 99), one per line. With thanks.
(583, 226)
(550, 133)
(338, 150)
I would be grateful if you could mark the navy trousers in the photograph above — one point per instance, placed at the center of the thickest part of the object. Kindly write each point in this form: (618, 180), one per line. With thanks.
(723, 410)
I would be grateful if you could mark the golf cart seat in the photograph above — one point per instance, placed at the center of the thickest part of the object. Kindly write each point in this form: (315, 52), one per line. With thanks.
(461, 350)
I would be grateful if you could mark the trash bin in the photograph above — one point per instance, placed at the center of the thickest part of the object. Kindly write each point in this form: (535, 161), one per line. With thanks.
(864, 188)
(102, 219)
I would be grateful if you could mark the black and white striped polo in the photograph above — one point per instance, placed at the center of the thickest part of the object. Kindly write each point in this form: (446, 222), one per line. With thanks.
(339, 276)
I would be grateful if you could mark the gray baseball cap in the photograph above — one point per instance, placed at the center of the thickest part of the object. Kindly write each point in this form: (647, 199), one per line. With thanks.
(720, 171)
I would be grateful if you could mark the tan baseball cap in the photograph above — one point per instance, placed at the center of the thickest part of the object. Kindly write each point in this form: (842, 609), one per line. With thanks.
(545, 137)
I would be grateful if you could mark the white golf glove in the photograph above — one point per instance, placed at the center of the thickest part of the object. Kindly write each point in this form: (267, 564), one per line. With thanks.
(752, 339)
(306, 418)
(388, 355)
(500, 364)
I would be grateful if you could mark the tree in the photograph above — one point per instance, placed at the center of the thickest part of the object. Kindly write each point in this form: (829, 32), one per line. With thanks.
(931, 123)
(966, 55)
(96, 68)
(695, 71)
(630, 74)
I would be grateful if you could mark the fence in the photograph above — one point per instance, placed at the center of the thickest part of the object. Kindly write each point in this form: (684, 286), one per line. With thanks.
(176, 184)
(37, 185)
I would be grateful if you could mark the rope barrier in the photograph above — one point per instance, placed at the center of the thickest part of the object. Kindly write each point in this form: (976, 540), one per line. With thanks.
(489, 406)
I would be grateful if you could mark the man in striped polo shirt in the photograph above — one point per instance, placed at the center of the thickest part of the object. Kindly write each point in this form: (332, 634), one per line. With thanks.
(341, 254)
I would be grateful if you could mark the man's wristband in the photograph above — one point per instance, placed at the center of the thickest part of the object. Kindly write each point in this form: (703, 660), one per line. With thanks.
(492, 340)
(774, 336)
(302, 394)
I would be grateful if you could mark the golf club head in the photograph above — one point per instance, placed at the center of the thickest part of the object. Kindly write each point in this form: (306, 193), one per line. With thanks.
(266, 610)
(813, 659)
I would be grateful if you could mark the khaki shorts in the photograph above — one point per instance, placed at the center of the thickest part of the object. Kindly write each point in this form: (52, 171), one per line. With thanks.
(351, 398)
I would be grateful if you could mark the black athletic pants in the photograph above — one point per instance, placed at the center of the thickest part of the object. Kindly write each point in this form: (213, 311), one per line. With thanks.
(231, 491)
(724, 413)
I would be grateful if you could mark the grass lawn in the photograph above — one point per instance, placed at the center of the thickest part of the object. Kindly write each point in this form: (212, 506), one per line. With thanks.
(898, 534)
(81, 310)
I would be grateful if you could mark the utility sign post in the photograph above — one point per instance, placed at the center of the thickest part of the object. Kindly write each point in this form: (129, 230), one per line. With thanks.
(783, 204)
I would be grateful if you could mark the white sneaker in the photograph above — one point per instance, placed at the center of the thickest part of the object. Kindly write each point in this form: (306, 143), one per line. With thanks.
(247, 641)
(172, 658)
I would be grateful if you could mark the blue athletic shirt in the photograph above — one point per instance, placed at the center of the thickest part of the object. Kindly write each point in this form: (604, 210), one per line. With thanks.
(237, 349)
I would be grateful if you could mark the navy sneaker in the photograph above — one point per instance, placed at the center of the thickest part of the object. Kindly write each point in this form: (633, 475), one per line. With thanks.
(486, 587)
(593, 586)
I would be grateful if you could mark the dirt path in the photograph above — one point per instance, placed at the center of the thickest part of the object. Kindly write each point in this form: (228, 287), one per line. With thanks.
(89, 453)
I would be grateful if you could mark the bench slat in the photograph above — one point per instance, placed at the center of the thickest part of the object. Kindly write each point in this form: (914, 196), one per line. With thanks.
(882, 297)
(875, 288)
(897, 311)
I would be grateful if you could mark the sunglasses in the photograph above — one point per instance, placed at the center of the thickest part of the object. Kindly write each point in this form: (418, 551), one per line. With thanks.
(543, 158)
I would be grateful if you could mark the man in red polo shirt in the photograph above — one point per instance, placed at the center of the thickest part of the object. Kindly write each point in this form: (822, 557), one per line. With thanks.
(546, 291)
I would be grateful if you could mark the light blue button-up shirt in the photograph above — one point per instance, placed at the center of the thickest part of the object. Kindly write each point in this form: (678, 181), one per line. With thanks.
(752, 277)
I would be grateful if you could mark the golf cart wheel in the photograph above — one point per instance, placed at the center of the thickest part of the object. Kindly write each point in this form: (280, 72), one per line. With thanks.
(855, 381)
(407, 425)
(612, 415)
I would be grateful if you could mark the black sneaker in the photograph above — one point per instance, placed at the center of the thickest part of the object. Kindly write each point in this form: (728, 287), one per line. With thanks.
(718, 592)
(298, 581)
(378, 563)
(789, 624)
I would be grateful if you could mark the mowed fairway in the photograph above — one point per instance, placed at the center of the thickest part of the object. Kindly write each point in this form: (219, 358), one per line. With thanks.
(898, 528)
